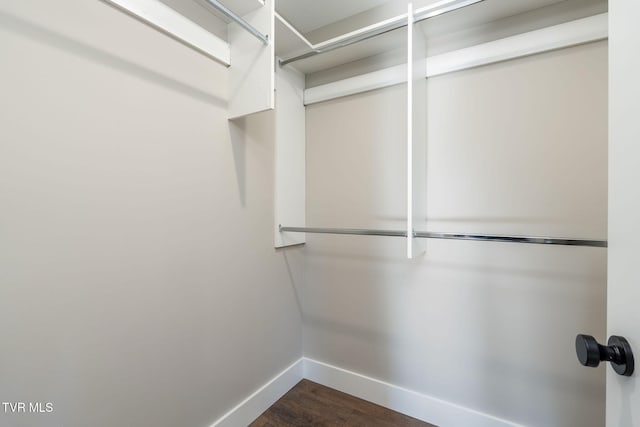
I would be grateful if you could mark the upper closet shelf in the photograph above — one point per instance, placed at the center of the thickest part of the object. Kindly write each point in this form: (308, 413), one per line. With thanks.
(237, 17)
(472, 23)
(377, 29)
(294, 47)
(169, 21)
(239, 7)
(163, 18)
(249, 50)
(288, 45)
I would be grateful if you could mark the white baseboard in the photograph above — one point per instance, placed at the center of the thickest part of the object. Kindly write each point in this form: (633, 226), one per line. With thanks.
(408, 402)
(258, 402)
(420, 406)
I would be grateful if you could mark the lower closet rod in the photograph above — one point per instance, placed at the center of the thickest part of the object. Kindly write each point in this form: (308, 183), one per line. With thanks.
(450, 236)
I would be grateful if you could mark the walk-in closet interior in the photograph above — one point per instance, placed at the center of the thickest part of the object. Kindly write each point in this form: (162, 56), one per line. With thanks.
(428, 205)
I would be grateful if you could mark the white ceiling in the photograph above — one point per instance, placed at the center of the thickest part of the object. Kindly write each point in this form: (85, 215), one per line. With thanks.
(308, 15)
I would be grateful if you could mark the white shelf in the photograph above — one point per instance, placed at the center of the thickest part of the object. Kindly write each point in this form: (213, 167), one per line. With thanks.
(584, 30)
(288, 43)
(240, 7)
(381, 44)
(479, 23)
(252, 71)
(163, 18)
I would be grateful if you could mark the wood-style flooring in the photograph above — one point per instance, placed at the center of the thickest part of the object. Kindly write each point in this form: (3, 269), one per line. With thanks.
(310, 404)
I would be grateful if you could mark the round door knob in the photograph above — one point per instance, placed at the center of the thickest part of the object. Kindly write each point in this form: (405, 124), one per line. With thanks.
(618, 352)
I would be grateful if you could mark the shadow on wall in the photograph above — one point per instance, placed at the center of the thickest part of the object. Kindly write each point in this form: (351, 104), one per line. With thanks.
(509, 327)
(293, 259)
(58, 41)
(237, 132)
(259, 131)
(494, 311)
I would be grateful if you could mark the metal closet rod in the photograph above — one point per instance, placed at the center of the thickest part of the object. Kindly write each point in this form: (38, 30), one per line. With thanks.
(239, 20)
(375, 30)
(450, 236)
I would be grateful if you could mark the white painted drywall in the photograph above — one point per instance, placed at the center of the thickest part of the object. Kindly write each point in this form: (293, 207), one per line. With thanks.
(623, 316)
(518, 147)
(138, 281)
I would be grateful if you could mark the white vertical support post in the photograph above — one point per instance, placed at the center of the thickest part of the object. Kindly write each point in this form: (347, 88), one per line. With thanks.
(252, 71)
(290, 156)
(416, 135)
(410, 237)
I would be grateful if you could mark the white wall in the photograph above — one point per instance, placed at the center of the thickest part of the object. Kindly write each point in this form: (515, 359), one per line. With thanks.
(514, 148)
(623, 318)
(138, 281)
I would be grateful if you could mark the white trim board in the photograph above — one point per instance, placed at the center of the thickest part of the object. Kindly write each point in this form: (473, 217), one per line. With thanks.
(414, 404)
(408, 402)
(161, 17)
(259, 401)
(290, 154)
(569, 34)
(370, 81)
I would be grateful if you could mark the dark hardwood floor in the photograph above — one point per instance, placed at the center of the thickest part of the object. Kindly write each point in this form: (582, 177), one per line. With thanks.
(310, 404)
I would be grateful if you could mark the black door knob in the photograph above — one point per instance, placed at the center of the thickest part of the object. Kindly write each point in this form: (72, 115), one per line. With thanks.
(618, 352)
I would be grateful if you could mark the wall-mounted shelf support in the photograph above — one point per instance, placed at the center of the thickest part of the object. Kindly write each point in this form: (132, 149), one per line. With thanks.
(252, 71)
(416, 134)
(290, 156)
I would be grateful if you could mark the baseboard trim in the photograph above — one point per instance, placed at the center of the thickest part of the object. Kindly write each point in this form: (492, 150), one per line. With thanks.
(259, 401)
(408, 402)
(405, 401)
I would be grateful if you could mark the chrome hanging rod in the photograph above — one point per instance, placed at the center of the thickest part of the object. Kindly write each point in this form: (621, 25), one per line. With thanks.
(450, 236)
(239, 20)
(377, 29)
(354, 231)
(512, 239)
